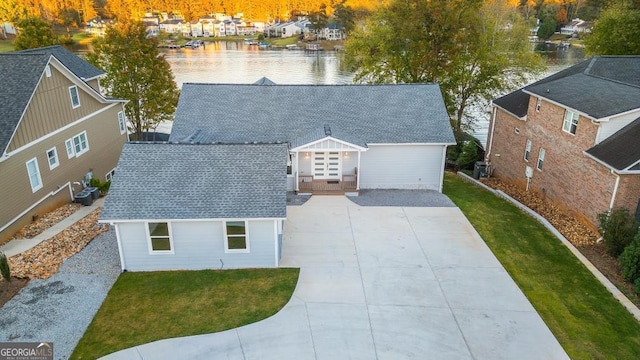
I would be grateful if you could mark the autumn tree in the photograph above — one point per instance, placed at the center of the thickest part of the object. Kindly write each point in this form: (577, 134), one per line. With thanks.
(474, 49)
(616, 32)
(138, 73)
(344, 15)
(34, 33)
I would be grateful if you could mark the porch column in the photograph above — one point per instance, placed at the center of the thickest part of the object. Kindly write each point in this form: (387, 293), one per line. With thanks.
(359, 172)
(294, 168)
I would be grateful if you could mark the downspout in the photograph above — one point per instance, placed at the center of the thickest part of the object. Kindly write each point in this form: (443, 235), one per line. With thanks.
(119, 241)
(442, 165)
(615, 190)
(490, 145)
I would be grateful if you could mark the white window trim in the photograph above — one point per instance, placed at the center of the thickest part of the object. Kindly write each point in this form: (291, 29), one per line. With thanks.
(541, 155)
(39, 186)
(570, 122)
(68, 145)
(527, 151)
(82, 151)
(122, 122)
(57, 163)
(74, 106)
(226, 238)
(150, 246)
(109, 176)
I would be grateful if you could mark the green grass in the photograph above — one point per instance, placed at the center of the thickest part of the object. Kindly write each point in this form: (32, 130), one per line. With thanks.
(6, 45)
(283, 41)
(581, 313)
(147, 306)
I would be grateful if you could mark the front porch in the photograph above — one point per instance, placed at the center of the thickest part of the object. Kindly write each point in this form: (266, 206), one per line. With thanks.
(308, 185)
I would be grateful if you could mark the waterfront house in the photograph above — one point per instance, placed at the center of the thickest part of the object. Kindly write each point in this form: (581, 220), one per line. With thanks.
(55, 127)
(573, 137)
(214, 196)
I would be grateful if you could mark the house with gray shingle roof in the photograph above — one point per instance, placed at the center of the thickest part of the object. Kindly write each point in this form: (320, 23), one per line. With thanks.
(573, 137)
(55, 127)
(214, 195)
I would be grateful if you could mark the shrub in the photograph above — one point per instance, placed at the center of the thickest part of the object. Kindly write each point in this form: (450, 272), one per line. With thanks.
(637, 286)
(4, 267)
(468, 156)
(618, 227)
(629, 261)
(102, 186)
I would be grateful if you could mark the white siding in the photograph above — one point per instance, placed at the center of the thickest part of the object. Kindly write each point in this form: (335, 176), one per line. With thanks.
(608, 128)
(291, 182)
(197, 245)
(304, 163)
(401, 167)
(349, 163)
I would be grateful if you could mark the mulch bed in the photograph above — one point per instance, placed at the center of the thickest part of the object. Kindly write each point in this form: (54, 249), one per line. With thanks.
(581, 235)
(44, 259)
(45, 221)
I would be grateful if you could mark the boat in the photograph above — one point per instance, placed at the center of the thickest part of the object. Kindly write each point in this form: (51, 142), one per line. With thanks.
(263, 45)
(194, 44)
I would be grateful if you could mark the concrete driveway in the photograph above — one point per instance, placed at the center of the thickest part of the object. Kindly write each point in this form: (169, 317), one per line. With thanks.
(382, 283)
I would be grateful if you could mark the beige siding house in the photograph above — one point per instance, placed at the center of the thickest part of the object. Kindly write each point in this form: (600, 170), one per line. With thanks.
(55, 127)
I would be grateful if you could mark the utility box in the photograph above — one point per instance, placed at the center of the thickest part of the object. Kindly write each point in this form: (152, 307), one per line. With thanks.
(95, 193)
(479, 170)
(84, 197)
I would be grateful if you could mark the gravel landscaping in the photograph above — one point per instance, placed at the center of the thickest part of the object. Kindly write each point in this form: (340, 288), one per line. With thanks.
(419, 198)
(60, 308)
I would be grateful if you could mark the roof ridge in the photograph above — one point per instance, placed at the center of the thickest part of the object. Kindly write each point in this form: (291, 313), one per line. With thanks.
(587, 71)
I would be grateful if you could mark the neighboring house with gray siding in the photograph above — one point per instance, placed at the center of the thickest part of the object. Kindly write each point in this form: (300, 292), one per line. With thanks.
(198, 206)
(214, 195)
(55, 127)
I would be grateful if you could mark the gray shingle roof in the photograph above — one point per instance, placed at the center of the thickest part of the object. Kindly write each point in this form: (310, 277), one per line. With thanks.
(411, 113)
(599, 87)
(621, 149)
(184, 181)
(80, 67)
(20, 74)
(608, 85)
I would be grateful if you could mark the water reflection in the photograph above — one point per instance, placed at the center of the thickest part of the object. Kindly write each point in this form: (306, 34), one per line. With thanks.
(238, 63)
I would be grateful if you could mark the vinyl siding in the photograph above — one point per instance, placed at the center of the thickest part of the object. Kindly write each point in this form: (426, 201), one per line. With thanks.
(197, 245)
(105, 144)
(401, 167)
(608, 128)
(50, 109)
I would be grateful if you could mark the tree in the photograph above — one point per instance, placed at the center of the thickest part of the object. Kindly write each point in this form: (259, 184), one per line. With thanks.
(547, 28)
(344, 15)
(34, 33)
(319, 18)
(465, 45)
(136, 72)
(616, 32)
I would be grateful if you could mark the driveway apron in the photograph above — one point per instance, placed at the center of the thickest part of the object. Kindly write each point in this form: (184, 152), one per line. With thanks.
(382, 283)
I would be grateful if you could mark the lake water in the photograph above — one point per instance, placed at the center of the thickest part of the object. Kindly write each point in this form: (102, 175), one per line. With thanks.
(238, 63)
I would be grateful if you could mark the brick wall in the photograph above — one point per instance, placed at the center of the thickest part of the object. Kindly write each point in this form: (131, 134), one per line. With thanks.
(568, 177)
(628, 194)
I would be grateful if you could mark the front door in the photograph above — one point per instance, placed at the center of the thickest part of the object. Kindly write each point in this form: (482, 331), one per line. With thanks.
(327, 165)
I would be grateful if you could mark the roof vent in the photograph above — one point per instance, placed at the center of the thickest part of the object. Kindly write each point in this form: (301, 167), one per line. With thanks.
(327, 130)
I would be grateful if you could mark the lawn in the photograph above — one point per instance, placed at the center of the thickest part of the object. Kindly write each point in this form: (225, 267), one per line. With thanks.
(147, 306)
(6, 45)
(581, 313)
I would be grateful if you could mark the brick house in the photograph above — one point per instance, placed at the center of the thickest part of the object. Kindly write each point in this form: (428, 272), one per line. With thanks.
(573, 137)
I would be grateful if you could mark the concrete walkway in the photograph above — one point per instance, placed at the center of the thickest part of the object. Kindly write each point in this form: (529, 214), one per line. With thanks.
(18, 246)
(382, 283)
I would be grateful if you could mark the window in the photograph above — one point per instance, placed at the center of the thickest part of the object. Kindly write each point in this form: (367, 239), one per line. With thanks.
(75, 98)
(159, 238)
(236, 239)
(52, 157)
(538, 104)
(110, 175)
(69, 146)
(570, 123)
(122, 123)
(540, 159)
(527, 150)
(47, 71)
(34, 175)
(80, 145)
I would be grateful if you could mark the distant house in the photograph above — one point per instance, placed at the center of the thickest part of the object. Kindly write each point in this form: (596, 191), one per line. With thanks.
(576, 26)
(97, 27)
(215, 195)
(175, 26)
(573, 137)
(196, 28)
(55, 127)
(333, 32)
